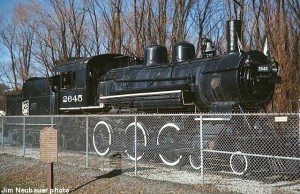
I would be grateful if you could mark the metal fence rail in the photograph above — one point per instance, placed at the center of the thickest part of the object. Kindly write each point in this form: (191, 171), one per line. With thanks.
(185, 148)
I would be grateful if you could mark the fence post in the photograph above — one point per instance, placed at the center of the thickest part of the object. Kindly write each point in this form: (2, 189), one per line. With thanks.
(87, 141)
(2, 126)
(135, 145)
(201, 151)
(52, 122)
(24, 136)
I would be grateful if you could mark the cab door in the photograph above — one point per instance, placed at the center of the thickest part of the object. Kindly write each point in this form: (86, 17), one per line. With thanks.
(73, 90)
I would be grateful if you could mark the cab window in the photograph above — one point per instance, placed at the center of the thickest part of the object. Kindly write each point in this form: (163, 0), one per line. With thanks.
(68, 80)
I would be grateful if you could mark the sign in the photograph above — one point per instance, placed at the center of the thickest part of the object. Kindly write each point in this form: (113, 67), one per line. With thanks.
(263, 68)
(48, 145)
(25, 108)
(281, 119)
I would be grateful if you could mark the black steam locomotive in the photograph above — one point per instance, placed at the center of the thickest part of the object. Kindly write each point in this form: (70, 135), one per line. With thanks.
(114, 83)
(237, 80)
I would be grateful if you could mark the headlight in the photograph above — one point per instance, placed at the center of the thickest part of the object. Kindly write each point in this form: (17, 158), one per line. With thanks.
(275, 68)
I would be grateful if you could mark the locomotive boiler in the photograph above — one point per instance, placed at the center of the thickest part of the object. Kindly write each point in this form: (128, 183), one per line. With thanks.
(220, 83)
(237, 80)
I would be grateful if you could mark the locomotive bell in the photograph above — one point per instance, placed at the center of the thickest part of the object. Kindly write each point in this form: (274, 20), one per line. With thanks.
(209, 48)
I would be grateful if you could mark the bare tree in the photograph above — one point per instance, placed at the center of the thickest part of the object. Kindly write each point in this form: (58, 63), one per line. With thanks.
(111, 12)
(138, 25)
(201, 17)
(277, 22)
(135, 24)
(182, 10)
(294, 7)
(61, 32)
(24, 40)
(161, 22)
(8, 36)
(95, 40)
(75, 19)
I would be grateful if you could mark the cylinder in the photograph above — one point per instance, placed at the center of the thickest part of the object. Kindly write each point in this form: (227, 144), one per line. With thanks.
(155, 54)
(234, 32)
(183, 51)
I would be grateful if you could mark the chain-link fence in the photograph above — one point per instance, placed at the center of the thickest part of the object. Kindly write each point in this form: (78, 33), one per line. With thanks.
(183, 148)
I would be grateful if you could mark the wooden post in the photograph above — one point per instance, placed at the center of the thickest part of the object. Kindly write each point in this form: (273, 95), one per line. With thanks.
(49, 176)
(48, 153)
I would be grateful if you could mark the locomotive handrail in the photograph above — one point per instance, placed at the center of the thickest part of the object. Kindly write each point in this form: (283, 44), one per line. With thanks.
(140, 94)
(156, 89)
(82, 108)
(220, 70)
(159, 79)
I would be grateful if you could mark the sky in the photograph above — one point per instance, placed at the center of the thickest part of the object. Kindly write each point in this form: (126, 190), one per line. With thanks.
(8, 4)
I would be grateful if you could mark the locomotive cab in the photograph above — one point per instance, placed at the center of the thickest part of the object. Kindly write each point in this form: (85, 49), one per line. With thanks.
(79, 79)
(71, 85)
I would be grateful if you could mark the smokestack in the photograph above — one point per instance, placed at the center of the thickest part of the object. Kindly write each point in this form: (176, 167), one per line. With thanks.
(234, 32)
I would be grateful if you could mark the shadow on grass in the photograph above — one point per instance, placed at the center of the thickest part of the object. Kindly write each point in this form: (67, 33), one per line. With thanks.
(111, 174)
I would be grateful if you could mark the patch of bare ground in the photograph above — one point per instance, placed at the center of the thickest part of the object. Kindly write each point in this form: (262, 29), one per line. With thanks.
(20, 172)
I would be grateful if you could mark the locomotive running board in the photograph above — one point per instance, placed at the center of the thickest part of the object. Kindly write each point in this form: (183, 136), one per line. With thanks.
(141, 94)
(81, 108)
